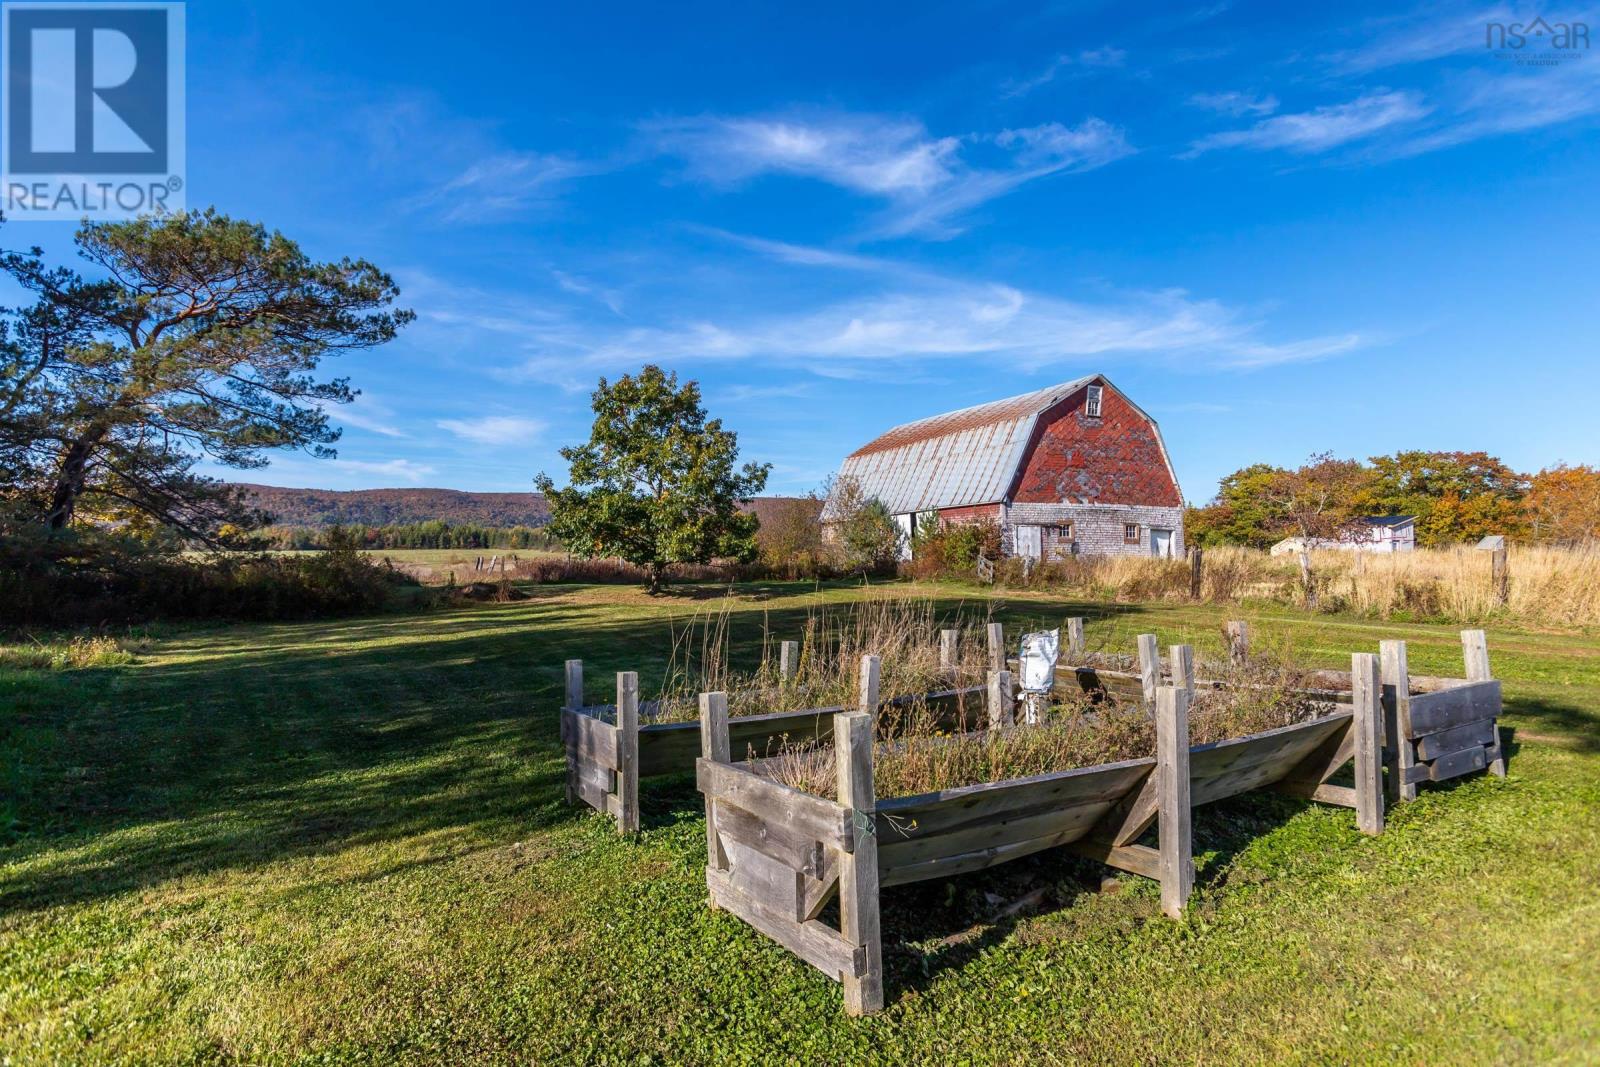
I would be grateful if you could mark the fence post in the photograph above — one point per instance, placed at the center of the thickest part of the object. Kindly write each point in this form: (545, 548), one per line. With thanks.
(867, 693)
(1500, 575)
(1366, 693)
(1149, 667)
(714, 745)
(1238, 633)
(788, 659)
(1182, 660)
(997, 647)
(948, 651)
(858, 869)
(1196, 566)
(1075, 640)
(1001, 712)
(1475, 650)
(628, 752)
(574, 701)
(1175, 832)
(1400, 754)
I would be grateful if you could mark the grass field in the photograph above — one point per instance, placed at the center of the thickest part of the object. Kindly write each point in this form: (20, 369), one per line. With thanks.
(345, 841)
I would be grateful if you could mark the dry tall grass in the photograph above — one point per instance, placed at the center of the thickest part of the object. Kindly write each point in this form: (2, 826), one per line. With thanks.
(1552, 586)
(903, 632)
(913, 755)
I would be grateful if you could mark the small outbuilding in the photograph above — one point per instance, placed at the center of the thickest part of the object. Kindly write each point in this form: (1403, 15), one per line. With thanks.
(1076, 468)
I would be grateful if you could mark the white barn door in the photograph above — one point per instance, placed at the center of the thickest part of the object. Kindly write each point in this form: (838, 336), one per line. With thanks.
(1029, 541)
(1160, 543)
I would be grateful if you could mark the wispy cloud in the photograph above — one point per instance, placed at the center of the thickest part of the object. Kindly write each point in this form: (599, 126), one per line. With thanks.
(1323, 128)
(927, 180)
(611, 298)
(364, 413)
(404, 469)
(1418, 36)
(1085, 61)
(1236, 104)
(494, 429)
(502, 185)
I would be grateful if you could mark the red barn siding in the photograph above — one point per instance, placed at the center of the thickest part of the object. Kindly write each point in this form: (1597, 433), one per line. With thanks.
(1115, 459)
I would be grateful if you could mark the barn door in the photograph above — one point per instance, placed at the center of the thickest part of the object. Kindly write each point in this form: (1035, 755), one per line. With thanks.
(1160, 543)
(1029, 542)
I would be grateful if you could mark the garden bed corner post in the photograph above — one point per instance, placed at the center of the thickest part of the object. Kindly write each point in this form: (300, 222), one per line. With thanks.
(997, 647)
(867, 691)
(1238, 633)
(1002, 707)
(573, 701)
(715, 746)
(1175, 831)
(1475, 650)
(1149, 668)
(1182, 660)
(1075, 639)
(1400, 755)
(1366, 692)
(628, 752)
(788, 660)
(858, 869)
(948, 654)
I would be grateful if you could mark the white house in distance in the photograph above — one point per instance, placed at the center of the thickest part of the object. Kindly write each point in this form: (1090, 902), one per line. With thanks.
(1378, 533)
(1069, 469)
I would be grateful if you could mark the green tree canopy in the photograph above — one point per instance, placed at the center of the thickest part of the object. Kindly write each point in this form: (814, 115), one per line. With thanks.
(194, 335)
(656, 484)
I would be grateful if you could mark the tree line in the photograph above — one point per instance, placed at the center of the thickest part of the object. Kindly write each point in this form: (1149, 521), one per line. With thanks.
(1455, 497)
(434, 533)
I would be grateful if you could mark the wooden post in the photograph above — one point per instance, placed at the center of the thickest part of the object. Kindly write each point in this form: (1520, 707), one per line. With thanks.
(1475, 650)
(1400, 753)
(714, 745)
(949, 650)
(1001, 711)
(1500, 575)
(867, 693)
(858, 869)
(1175, 831)
(1149, 667)
(574, 684)
(1196, 565)
(628, 752)
(1075, 640)
(1366, 693)
(1238, 641)
(1182, 659)
(997, 647)
(788, 659)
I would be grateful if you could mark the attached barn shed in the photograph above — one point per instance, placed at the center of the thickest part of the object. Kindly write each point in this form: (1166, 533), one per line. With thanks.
(1076, 468)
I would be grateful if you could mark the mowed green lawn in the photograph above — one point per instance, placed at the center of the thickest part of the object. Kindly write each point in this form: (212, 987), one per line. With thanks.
(346, 842)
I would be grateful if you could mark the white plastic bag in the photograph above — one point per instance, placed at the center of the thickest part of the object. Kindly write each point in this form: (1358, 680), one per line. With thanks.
(1039, 654)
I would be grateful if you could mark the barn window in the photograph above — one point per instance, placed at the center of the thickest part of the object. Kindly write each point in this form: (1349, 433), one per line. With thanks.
(1091, 407)
(1130, 533)
(1060, 533)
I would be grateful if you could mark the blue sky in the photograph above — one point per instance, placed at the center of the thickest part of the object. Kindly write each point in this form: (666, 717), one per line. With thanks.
(1280, 230)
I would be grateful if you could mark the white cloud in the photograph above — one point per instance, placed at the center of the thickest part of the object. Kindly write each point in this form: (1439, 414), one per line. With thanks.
(1323, 128)
(926, 179)
(611, 298)
(364, 413)
(403, 469)
(1085, 61)
(1235, 104)
(502, 184)
(494, 429)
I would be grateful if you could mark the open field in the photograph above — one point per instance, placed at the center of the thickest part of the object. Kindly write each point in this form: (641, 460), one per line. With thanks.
(345, 841)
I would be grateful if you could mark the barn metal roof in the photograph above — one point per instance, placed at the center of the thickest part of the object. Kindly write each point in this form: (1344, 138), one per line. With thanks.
(956, 459)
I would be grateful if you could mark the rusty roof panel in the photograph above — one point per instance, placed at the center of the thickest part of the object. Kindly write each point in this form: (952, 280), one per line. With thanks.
(956, 459)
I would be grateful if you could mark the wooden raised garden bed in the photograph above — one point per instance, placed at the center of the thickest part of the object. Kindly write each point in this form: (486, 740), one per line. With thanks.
(777, 855)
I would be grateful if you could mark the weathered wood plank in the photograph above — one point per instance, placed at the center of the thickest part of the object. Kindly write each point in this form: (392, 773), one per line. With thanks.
(1136, 859)
(1367, 696)
(1432, 746)
(1074, 639)
(812, 941)
(1175, 833)
(859, 922)
(949, 654)
(574, 679)
(1063, 824)
(714, 747)
(774, 840)
(1282, 748)
(1322, 792)
(1434, 712)
(592, 795)
(1399, 754)
(1238, 633)
(976, 860)
(1149, 667)
(1452, 765)
(956, 809)
(798, 812)
(1001, 702)
(1182, 665)
(788, 659)
(1131, 816)
(627, 735)
(997, 646)
(593, 740)
(1475, 652)
(771, 883)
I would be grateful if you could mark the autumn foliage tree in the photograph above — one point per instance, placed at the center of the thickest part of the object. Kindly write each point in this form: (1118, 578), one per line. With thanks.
(656, 483)
(1563, 504)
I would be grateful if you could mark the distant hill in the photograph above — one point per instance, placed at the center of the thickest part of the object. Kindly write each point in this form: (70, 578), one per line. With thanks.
(383, 507)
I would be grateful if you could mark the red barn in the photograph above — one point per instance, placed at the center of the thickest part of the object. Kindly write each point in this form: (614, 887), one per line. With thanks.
(1075, 468)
